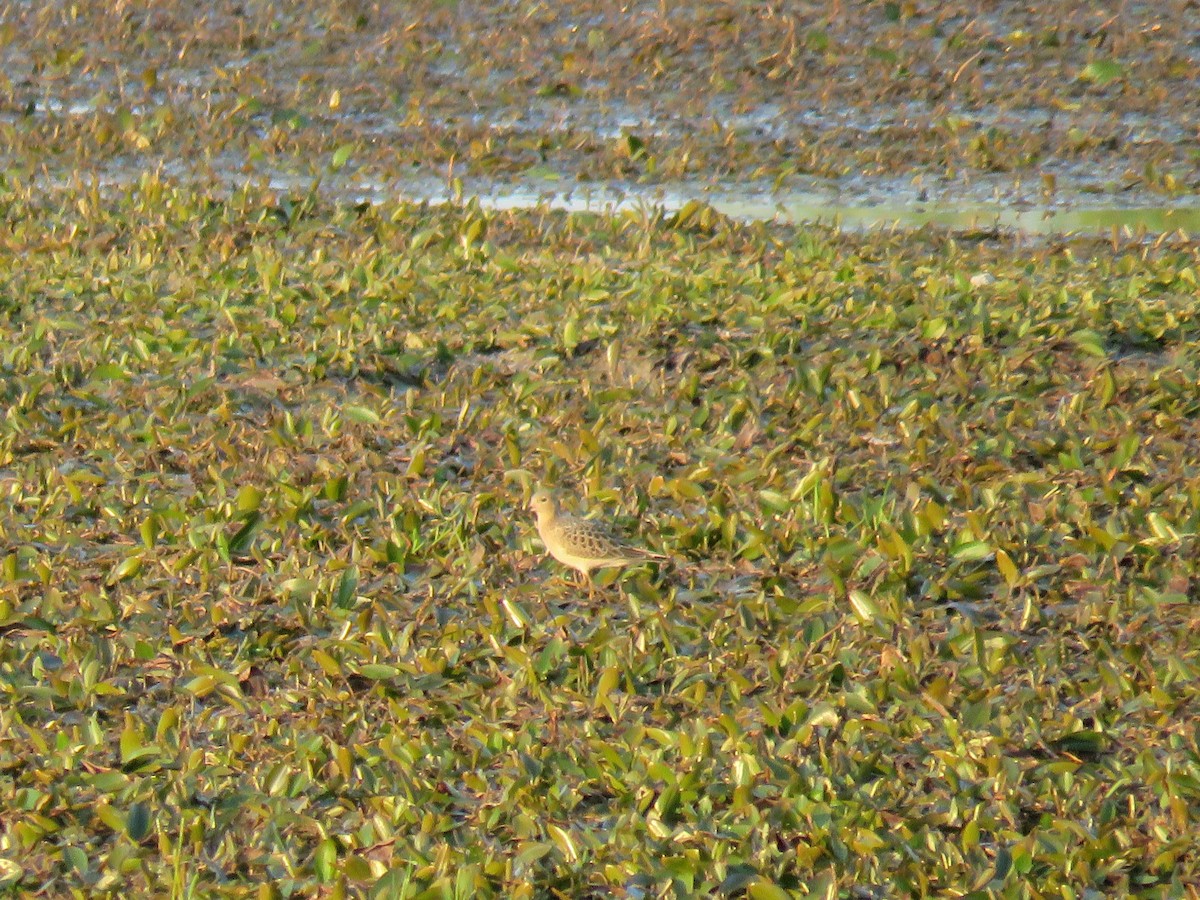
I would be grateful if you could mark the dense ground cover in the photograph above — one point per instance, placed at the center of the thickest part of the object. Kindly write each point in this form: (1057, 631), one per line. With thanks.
(272, 609)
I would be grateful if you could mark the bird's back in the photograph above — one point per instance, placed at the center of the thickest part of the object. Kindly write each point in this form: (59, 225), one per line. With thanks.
(586, 544)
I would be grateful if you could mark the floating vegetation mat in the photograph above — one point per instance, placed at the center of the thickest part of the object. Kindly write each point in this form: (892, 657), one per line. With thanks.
(276, 621)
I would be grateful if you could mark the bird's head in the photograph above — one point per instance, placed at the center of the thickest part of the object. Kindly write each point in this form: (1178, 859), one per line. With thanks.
(542, 503)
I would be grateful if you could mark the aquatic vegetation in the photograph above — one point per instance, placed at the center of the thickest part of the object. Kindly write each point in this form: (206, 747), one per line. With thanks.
(272, 607)
(274, 616)
(1039, 101)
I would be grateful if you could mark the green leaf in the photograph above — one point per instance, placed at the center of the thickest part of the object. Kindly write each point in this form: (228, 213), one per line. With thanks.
(126, 568)
(357, 509)
(774, 501)
(605, 684)
(683, 873)
(516, 613)
(823, 715)
(1090, 342)
(244, 536)
(362, 414)
(632, 145)
(110, 817)
(336, 487)
(864, 607)
(472, 231)
(1126, 449)
(149, 531)
(328, 664)
(168, 722)
(738, 878)
(541, 173)
(532, 852)
(109, 372)
(1163, 530)
(1102, 71)
(571, 334)
(377, 671)
(1008, 569)
(340, 157)
(347, 588)
(137, 822)
(1085, 743)
(686, 490)
(76, 859)
(970, 835)
(249, 498)
(299, 588)
(131, 743)
(565, 842)
(109, 782)
(973, 551)
(356, 868)
(325, 860)
(934, 329)
(141, 758)
(201, 685)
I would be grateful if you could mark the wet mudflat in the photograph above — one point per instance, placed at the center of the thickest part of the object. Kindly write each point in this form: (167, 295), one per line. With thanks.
(1021, 114)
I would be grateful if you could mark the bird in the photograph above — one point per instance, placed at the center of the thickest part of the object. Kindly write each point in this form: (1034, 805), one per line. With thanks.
(582, 544)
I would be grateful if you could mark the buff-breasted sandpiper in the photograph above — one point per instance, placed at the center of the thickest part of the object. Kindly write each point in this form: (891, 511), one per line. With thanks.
(582, 544)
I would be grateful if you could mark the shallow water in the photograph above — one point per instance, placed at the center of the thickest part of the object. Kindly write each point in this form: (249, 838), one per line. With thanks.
(858, 205)
(856, 210)
(877, 115)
